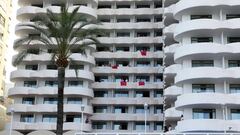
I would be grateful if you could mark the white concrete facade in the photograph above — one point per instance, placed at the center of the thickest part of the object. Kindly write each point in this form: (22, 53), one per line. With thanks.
(114, 81)
(201, 42)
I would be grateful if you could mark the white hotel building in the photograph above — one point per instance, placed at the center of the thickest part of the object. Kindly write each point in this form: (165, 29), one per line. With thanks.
(200, 82)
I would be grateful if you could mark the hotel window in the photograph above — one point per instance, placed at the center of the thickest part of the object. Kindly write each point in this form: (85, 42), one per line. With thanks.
(119, 20)
(74, 100)
(141, 48)
(50, 100)
(120, 109)
(142, 78)
(33, 51)
(158, 126)
(52, 67)
(122, 48)
(2, 20)
(233, 39)
(120, 78)
(123, 34)
(101, 78)
(102, 63)
(100, 109)
(193, 17)
(158, 93)
(158, 109)
(50, 118)
(121, 94)
(27, 118)
(76, 67)
(73, 118)
(234, 88)
(99, 125)
(143, 19)
(140, 110)
(157, 33)
(158, 47)
(122, 63)
(143, 64)
(80, 4)
(201, 88)
(51, 83)
(123, 6)
(34, 35)
(158, 63)
(158, 4)
(142, 93)
(234, 63)
(158, 18)
(142, 5)
(57, 4)
(232, 16)
(37, 5)
(104, 6)
(235, 114)
(143, 34)
(30, 84)
(202, 63)
(31, 67)
(158, 78)
(102, 49)
(28, 100)
(105, 20)
(100, 94)
(201, 39)
(140, 126)
(120, 126)
(75, 83)
(204, 114)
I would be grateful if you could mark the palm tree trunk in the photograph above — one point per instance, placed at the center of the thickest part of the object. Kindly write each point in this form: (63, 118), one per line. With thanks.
(61, 78)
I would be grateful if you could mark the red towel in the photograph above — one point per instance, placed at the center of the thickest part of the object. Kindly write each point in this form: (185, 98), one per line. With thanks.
(114, 67)
(141, 83)
(123, 83)
(143, 53)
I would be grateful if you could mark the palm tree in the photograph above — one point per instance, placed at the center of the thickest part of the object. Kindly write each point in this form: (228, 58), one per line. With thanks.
(61, 33)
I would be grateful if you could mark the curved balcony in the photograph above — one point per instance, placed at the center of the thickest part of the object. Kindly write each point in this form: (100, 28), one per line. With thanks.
(19, 91)
(130, 40)
(185, 6)
(45, 57)
(125, 117)
(127, 11)
(129, 85)
(207, 125)
(50, 126)
(170, 50)
(172, 70)
(204, 26)
(131, 26)
(27, 12)
(206, 75)
(48, 108)
(201, 50)
(128, 55)
(21, 74)
(173, 91)
(173, 114)
(169, 30)
(209, 100)
(128, 70)
(127, 101)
